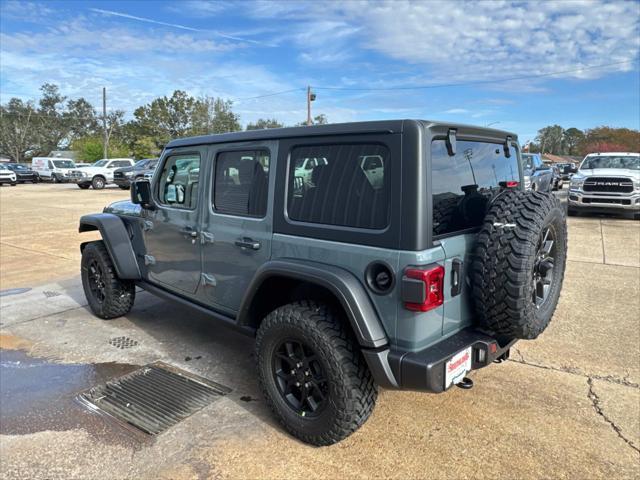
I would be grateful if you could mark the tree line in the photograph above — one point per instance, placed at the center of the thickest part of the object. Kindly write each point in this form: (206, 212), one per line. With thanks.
(556, 140)
(29, 129)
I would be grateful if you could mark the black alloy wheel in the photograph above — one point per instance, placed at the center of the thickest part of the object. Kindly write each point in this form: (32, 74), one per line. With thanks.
(543, 267)
(96, 281)
(300, 378)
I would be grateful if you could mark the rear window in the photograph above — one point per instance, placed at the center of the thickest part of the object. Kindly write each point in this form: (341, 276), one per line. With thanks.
(463, 184)
(344, 185)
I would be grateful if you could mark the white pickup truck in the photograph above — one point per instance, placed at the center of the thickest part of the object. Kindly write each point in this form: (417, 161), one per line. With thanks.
(100, 174)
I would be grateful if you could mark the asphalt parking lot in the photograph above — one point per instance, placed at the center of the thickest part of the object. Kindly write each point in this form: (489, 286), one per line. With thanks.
(565, 406)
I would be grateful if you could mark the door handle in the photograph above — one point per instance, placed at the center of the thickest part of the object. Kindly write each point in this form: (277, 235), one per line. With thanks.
(248, 244)
(189, 232)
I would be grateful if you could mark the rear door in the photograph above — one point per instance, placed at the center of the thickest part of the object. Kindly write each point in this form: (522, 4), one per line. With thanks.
(237, 230)
(171, 232)
(462, 186)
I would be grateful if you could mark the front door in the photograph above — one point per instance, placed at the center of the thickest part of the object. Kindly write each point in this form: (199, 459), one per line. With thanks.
(236, 235)
(171, 230)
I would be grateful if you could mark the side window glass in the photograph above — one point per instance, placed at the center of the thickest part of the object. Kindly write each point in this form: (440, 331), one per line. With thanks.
(241, 183)
(50, 165)
(462, 185)
(178, 186)
(346, 186)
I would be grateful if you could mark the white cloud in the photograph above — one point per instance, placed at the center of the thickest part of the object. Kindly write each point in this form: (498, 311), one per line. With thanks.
(454, 111)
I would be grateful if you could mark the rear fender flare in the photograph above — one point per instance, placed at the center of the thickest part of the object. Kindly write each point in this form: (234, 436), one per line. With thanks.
(348, 290)
(116, 239)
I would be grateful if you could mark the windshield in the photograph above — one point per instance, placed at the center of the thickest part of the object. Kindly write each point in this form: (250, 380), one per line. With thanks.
(625, 161)
(17, 167)
(140, 164)
(64, 163)
(100, 163)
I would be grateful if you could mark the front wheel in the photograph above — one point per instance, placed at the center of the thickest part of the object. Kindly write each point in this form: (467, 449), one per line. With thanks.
(107, 295)
(312, 373)
(98, 183)
(84, 186)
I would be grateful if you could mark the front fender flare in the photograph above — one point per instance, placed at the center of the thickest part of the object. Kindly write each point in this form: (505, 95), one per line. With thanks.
(351, 294)
(116, 239)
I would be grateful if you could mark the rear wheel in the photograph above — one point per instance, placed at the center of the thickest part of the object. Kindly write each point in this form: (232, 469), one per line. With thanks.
(108, 296)
(312, 373)
(98, 183)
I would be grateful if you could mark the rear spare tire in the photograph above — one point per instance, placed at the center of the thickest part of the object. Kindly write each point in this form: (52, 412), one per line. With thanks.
(518, 264)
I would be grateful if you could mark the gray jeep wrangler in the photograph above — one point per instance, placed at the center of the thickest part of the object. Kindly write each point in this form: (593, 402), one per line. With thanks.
(406, 256)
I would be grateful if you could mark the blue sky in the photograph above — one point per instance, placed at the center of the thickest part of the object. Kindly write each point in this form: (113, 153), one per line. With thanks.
(236, 50)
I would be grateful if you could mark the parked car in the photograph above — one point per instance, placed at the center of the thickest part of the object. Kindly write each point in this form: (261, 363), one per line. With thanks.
(53, 169)
(567, 170)
(23, 173)
(557, 181)
(537, 176)
(7, 175)
(606, 182)
(100, 174)
(124, 176)
(364, 279)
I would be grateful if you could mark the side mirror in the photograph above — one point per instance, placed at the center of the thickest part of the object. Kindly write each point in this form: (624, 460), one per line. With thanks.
(141, 194)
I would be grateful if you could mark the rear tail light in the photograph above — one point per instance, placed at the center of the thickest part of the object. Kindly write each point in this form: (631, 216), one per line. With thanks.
(423, 288)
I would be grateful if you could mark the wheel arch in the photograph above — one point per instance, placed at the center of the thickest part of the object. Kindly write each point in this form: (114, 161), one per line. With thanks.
(279, 282)
(117, 241)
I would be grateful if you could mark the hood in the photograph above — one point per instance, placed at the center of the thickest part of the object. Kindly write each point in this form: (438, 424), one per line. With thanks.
(609, 172)
(124, 207)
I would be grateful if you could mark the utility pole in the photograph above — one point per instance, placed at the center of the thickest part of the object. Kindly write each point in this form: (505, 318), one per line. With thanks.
(105, 146)
(310, 98)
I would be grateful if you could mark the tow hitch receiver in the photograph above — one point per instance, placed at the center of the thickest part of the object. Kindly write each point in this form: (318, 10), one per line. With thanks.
(465, 384)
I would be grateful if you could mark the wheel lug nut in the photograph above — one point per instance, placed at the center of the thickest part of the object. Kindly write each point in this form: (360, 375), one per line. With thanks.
(307, 373)
(293, 372)
(297, 384)
(298, 365)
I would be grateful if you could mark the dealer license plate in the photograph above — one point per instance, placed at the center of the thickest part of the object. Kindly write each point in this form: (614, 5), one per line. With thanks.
(457, 367)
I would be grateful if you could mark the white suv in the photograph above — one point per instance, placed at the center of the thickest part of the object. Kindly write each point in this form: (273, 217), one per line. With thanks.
(606, 181)
(100, 173)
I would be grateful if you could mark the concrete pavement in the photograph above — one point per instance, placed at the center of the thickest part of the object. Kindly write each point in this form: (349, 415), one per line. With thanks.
(565, 406)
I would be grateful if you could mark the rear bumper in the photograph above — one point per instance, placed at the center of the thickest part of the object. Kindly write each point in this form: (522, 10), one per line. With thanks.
(122, 182)
(424, 370)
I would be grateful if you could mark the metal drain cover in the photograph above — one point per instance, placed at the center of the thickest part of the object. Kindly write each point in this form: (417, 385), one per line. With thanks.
(123, 342)
(153, 398)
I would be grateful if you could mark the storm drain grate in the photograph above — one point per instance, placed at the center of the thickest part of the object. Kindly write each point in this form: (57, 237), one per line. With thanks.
(153, 398)
(49, 294)
(123, 342)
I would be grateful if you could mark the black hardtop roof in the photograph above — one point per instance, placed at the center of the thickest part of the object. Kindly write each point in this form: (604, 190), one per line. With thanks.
(377, 126)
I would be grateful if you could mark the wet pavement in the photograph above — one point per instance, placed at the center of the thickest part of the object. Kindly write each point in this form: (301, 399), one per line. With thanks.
(37, 395)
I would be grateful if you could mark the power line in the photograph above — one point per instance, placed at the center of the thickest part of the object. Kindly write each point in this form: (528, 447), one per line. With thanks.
(476, 82)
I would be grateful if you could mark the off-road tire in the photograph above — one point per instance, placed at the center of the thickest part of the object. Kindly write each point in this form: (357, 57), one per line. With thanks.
(352, 392)
(84, 186)
(98, 183)
(119, 295)
(504, 259)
